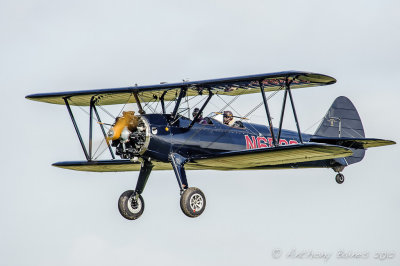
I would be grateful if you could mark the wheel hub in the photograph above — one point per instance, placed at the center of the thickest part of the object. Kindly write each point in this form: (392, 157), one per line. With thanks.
(134, 205)
(196, 202)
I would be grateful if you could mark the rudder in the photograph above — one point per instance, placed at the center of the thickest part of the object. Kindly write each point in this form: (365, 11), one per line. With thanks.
(343, 121)
(342, 114)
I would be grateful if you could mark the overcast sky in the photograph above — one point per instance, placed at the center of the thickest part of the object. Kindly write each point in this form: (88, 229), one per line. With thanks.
(51, 216)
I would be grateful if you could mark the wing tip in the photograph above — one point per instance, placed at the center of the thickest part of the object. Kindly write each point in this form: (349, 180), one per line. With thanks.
(386, 142)
(391, 142)
(30, 97)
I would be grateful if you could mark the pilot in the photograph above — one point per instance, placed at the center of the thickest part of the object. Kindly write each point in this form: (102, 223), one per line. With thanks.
(229, 121)
(200, 118)
(228, 118)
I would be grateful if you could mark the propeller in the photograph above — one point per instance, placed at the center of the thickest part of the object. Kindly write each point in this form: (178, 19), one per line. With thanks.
(120, 129)
(127, 120)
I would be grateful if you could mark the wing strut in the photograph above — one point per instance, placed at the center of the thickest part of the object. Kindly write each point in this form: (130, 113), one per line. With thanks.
(182, 94)
(271, 128)
(210, 94)
(141, 111)
(76, 129)
(282, 114)
(294, 110)
(162, 102)
(92, 101)
(287, 91)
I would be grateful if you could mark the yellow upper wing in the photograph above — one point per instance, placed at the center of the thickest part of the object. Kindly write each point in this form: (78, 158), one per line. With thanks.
(225, 86)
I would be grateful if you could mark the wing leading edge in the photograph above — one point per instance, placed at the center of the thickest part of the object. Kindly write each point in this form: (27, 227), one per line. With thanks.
(226, 86)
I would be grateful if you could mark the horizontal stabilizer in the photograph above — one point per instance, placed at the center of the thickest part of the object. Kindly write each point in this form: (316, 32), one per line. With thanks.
(354, 143)
(274, 156)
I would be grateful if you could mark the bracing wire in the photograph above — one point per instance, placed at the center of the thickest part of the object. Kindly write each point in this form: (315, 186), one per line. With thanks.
(261, 103)
(356, 133)
(254, 109)
(97, 121)
(106, 111)
(310, 127)
(147, 105)
(202, 100)
(228, 104)
(157, 105)
(123, 107)
(98, 147)
(105, 148)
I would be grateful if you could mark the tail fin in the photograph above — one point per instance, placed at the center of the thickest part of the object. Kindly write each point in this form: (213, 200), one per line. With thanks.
(342, 121)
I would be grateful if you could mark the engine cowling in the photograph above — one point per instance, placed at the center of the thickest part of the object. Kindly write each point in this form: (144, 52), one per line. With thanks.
(130, 135)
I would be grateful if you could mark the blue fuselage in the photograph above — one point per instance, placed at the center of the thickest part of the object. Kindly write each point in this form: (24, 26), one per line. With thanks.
(203, 139)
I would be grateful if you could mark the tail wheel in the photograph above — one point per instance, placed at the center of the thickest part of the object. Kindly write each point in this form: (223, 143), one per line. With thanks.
(193, 202)
(339, 178)
(130, 206)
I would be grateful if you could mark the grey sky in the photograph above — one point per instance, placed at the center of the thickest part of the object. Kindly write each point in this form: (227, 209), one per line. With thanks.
(51, 216)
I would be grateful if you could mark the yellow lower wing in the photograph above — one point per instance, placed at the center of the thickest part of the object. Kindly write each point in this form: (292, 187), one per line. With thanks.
(237, 160)
(275, 156)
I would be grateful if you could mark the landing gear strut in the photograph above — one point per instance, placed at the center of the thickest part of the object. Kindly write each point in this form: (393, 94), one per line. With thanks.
(193, 201)
(131, 203)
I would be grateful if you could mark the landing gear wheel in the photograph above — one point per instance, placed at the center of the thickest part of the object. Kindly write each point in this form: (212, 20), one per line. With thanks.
(193, 202)
(129, 207)
(339, 178)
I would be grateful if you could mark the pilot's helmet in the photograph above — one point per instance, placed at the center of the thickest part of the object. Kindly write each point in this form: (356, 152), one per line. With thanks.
(196, 111)
(228, 116)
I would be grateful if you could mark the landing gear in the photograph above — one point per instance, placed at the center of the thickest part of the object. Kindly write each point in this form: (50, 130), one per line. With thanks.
(193, 202)
(338, 169)
(131, 203)
(339, 178)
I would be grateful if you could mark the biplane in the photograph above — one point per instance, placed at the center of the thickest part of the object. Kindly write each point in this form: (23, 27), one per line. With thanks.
(168, 139)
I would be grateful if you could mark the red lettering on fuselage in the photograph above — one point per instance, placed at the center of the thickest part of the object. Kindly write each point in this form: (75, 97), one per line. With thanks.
(263, 142)
(283, 142)
(271, 142)
(250, 144)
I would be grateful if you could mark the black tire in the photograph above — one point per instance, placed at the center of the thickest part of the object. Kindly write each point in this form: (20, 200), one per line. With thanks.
(127, 207)
(339, 178)
(193, 202)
